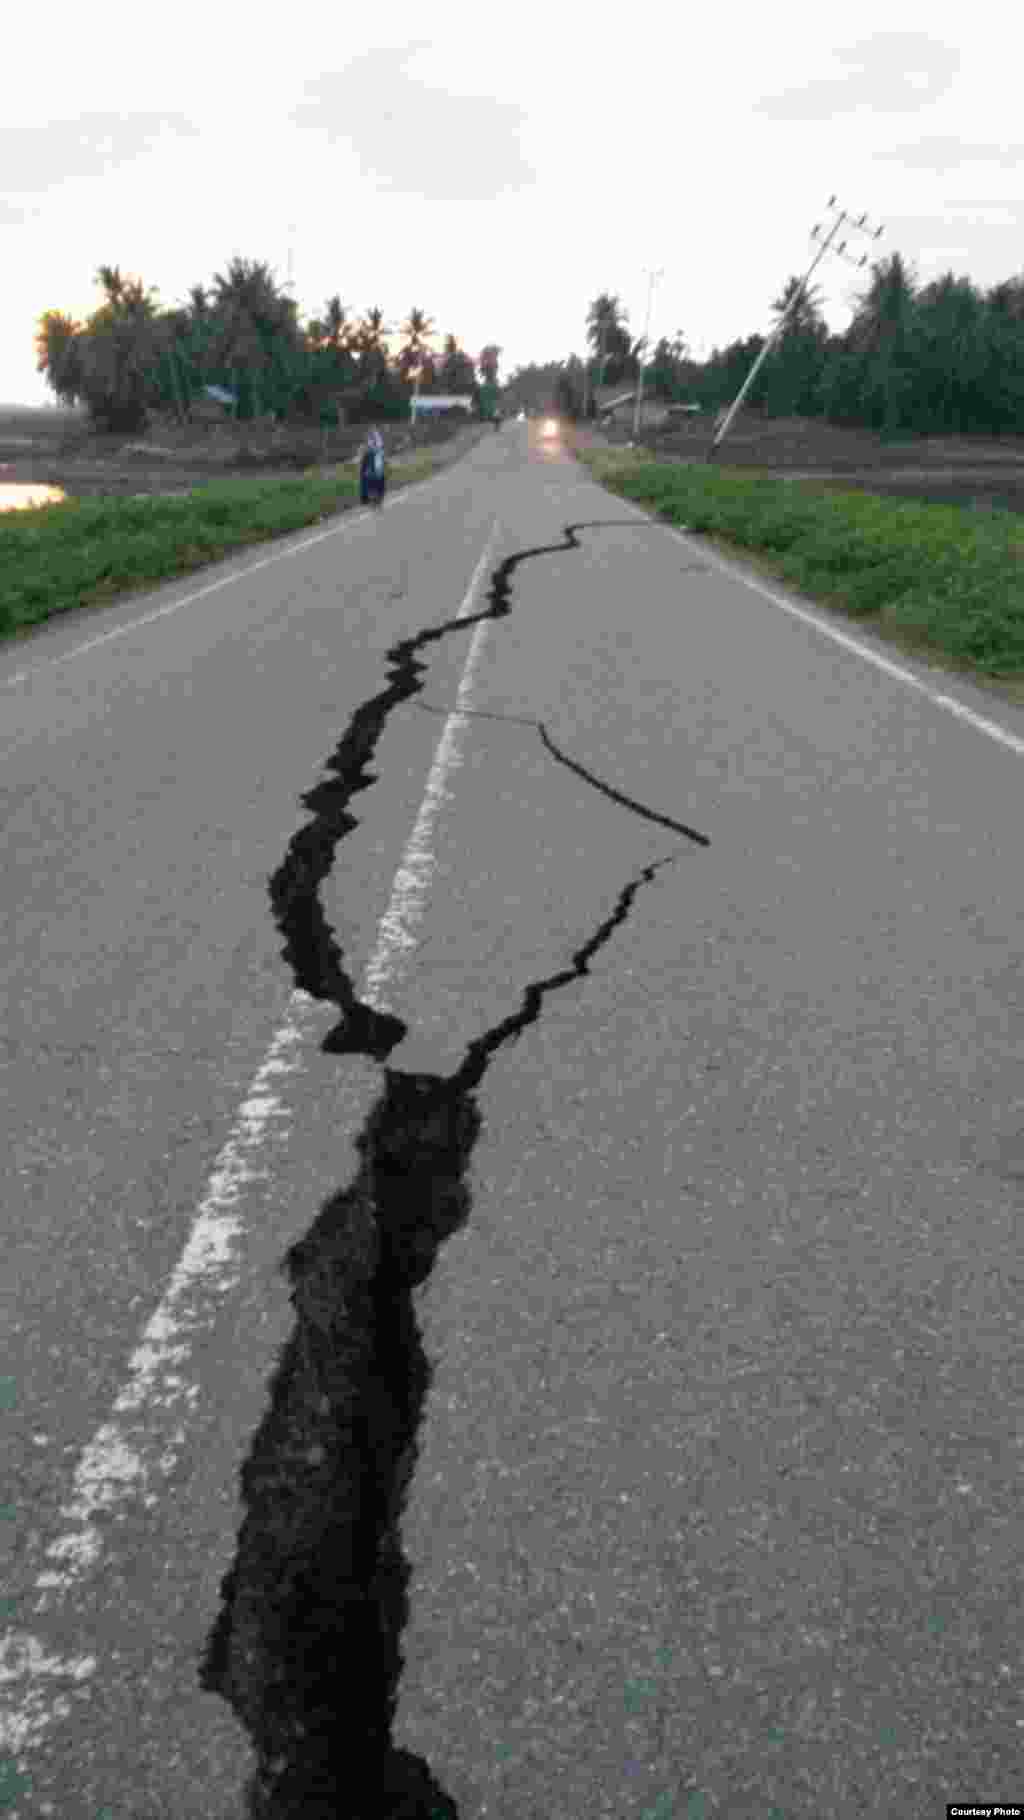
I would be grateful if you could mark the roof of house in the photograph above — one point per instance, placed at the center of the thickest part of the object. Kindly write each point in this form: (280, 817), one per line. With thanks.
(439, 401)
(647, 403)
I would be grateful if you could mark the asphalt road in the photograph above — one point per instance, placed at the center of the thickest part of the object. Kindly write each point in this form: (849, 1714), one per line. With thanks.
(611, 1008)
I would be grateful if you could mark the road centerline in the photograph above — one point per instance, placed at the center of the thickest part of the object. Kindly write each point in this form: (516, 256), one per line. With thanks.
(127, 1455)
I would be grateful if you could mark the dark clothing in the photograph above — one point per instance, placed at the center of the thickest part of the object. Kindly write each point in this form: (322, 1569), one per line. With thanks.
(371, 477)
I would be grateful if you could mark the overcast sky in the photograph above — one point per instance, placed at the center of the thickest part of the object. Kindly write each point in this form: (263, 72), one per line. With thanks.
(496, 168)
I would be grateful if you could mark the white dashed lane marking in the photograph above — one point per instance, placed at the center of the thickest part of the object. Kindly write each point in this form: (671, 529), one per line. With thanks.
(132, 1455)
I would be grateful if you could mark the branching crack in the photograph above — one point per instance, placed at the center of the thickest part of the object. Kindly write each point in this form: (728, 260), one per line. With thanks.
(307, 1646)
(615, 796)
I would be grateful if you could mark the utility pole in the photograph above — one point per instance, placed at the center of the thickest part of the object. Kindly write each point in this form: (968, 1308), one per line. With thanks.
(795, 299)
(652, 280)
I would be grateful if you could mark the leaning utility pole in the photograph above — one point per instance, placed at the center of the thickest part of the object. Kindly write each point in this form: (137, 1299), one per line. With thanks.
(653, 278)
(794, 300)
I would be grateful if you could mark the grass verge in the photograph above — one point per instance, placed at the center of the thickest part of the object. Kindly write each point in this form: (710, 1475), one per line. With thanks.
(88, 552)
(938, 581)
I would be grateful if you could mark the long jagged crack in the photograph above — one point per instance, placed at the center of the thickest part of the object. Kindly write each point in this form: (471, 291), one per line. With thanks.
(307, 1645)
(310, 949)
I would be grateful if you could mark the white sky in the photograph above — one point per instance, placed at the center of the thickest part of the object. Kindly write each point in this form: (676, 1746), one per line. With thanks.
(499, 169)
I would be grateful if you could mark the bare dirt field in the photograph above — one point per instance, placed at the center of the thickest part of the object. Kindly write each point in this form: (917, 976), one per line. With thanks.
(978, 471)
(57, 448)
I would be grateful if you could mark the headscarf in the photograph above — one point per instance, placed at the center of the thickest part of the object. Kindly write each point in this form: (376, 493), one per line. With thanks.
(375, 440)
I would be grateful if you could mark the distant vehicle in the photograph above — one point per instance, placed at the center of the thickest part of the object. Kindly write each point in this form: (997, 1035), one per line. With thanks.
(522, 417)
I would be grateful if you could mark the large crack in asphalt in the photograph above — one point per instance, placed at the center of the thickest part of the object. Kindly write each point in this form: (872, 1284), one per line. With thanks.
(306, 1648)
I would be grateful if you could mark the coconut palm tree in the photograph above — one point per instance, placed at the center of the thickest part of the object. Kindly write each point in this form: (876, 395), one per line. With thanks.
(109, 277)
(255, 324)
(368, 342)
(417, 329)
(58, 355)
(608, 335)
(336, 327)
(801, 307)
(114, 356)
(788, 387)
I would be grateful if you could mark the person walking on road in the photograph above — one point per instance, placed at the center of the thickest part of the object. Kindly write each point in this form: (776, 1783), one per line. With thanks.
(371, 471)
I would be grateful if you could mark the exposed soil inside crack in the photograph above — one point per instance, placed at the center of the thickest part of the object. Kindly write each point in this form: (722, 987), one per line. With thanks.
(307, 1647)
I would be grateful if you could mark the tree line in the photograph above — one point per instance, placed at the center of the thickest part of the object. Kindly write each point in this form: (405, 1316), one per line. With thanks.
(131, 358)
(942, 358)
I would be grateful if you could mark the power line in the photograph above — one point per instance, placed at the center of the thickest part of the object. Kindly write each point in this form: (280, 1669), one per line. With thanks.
(798, 294)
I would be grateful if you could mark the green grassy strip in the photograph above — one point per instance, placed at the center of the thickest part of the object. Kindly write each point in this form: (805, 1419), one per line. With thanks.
(931, 577)
(87, 552)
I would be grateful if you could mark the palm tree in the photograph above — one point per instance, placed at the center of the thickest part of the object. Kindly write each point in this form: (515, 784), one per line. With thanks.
(668, 364)
(458, 369)
(883, 310)
(118, 351)
(109, 277)
(606, 319)
(254, 321)
(878, 337)
(608, 335)
(950, 346)
(336, 328)
(1007, 299)
(801, 307)
(368, 343)
(58, 355)
(417, 330)
(334, 336)
(789, 382)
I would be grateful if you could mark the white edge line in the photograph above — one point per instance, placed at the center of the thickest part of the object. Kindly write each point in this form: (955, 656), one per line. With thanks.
(346, 522)
(991, 728)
